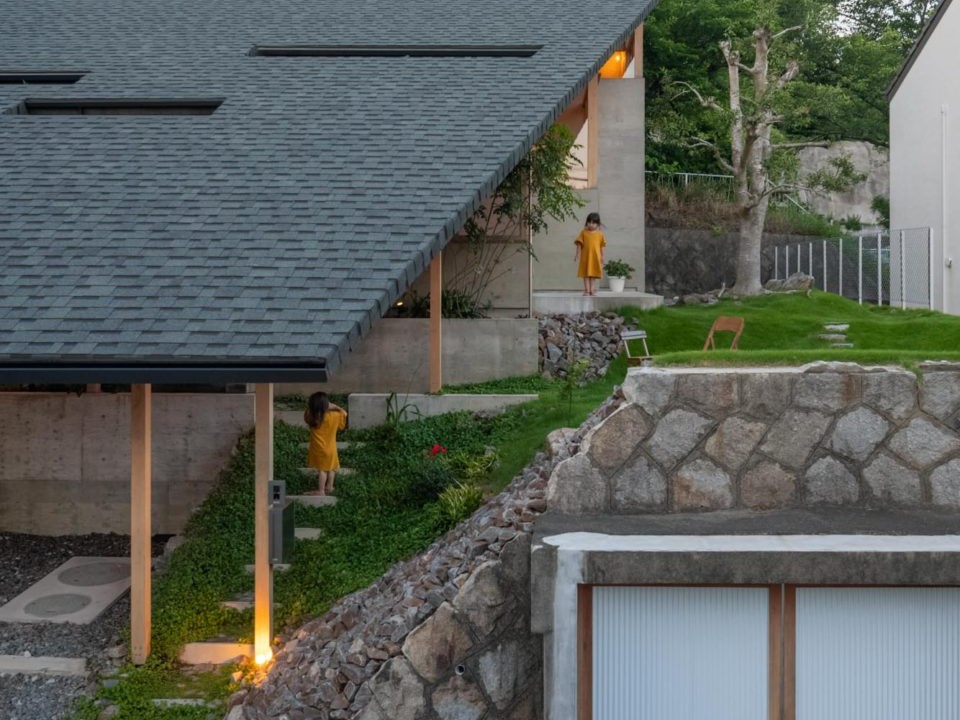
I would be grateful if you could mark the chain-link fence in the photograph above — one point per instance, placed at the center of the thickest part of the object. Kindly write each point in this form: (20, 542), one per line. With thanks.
(880, 269)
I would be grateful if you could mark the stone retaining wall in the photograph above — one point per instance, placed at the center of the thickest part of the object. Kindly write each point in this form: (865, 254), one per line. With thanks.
(444, 635)
(821, 435)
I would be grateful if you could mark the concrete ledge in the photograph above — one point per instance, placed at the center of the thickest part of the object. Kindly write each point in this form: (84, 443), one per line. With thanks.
(314, 500)
(565, 302)
(46, 666)
(214, 653)
(370, 409)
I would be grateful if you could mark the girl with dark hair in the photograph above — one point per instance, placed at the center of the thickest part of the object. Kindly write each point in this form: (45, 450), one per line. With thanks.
(589, 252)
(324, 420)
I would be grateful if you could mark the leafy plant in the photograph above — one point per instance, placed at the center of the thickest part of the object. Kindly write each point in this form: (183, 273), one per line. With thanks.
(397, 413)
(618, 268)
(572, 381)
(881, 206)
(458, 502)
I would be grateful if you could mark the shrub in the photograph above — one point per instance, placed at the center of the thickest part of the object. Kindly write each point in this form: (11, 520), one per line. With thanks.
(458, 502)
(618, 268)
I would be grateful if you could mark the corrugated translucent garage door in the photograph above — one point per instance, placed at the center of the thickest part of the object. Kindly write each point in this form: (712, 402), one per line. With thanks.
(680, 653)
(878, 654)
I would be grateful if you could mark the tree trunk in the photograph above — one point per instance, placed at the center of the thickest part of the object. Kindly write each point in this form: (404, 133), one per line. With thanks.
(748, 251)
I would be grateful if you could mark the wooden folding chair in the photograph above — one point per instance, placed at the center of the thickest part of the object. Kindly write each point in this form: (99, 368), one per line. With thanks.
(725, 323)
(626, 336)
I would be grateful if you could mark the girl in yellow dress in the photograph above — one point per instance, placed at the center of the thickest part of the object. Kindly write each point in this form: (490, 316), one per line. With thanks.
(324, 420)
(589, 251)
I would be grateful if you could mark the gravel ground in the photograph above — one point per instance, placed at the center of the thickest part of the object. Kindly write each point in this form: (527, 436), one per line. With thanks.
(24, 559)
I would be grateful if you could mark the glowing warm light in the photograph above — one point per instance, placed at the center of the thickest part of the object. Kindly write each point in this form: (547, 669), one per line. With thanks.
(616, 66)
(263, 658)
(399, 303)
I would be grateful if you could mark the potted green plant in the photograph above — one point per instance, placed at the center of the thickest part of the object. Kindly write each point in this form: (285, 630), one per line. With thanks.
(618, 272)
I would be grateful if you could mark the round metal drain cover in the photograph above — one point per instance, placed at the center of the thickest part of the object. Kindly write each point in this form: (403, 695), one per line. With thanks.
(96, 573)
(54, 605)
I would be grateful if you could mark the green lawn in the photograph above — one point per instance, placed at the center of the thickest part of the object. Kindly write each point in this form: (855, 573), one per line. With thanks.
(783, 330)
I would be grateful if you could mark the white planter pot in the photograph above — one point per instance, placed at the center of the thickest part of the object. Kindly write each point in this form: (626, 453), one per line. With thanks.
(616, 283)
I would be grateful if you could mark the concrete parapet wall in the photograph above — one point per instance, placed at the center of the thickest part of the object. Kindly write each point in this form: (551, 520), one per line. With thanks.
(395, 356)
(65, 459)
(699, 440)
(370, 409)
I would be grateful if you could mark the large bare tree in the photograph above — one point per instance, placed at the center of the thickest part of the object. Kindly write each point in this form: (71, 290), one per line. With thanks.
(753, 114)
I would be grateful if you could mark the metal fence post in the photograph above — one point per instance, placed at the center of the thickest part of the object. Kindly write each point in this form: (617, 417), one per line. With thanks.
(879, 269)
(810, 257)
(903, 276)
(840, 266)
(860, 270)
(824, 265)
(776, 262)
(799, 269)
(786, 261)
(930, 268)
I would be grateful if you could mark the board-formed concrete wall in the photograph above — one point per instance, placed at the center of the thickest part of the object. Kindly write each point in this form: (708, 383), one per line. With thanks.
(65, 459)
(826, 434)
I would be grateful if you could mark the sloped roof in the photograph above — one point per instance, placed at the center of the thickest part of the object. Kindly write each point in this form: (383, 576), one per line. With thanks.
(259, 242)
(917, 48)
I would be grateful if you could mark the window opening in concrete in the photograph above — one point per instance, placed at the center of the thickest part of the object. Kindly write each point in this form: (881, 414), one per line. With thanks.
(46, 77)
(413, 51)
(120, 106)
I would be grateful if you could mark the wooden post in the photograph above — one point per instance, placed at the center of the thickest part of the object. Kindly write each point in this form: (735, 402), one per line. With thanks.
(140, 531)
(436, 344)
(593, 131)
(638, 52)
(263, 572)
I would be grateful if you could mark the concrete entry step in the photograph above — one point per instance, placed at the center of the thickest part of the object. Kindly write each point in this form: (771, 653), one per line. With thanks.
(214, 652)
(314, 500)
(46, 666)
(568, 302)
(312, 472)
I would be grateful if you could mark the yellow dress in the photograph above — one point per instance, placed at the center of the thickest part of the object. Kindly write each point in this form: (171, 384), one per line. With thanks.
(322, 449)
(591, 242)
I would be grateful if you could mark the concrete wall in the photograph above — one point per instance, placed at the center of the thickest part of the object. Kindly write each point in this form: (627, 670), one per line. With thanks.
(395, 356)
(872, 161)
(618, 197)
(65, 460)
(925, 154)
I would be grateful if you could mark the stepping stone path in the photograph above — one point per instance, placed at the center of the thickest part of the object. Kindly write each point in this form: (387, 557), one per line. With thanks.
(836, 335)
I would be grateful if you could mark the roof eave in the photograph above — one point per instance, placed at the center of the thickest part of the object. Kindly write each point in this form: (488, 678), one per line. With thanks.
(13, 373)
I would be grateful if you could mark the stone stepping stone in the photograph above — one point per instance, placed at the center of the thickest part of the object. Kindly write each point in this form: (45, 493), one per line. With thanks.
(314, 500)
(833, 337)
(312, 472)
(842, 345)
(307, 533)
(836, 327)
(214, 652)
(243, 601)
(182, 702)
(45, 666)
(341, 445)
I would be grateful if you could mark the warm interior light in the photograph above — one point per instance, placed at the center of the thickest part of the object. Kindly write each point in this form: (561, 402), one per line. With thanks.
(616, 66)
(399, 303)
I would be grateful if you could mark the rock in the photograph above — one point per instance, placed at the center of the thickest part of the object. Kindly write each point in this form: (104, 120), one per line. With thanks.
(613, 441)
(940, 394)
(826, 391)
(734, 441)
(577, 487)
(651, 390)
(638, 486)
(715, 394)
(458, 699)
(828, 482)
(922, 444)
(112, 711)
(892, 393)
(889, 481)
(765, 395)
(701, 485)
(796, 282)
(503, 670)
(483, 599)
(437, 645)
(676, 435)
(558, 442)
(857, 434)
(767, 486)
(794, 436)
(945, 485)
(397, 688)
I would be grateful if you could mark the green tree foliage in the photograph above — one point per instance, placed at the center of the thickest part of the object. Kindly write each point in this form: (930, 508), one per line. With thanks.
(848, 51)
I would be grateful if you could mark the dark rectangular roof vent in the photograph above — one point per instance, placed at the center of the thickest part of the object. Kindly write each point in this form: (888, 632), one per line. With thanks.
(413, 51)
(34, 77)
(116, 106)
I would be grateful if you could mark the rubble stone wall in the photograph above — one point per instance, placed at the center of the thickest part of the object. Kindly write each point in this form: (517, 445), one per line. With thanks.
(826, 434)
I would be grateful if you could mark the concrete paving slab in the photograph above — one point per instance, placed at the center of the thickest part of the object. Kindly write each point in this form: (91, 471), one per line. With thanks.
(571, 303)
(75, 592)
(214, 653)
(278, 567)
(46, 666)
(314, 500)
(306, 533)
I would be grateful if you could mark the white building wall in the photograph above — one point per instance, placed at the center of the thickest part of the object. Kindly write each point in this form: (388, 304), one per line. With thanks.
(925, 154)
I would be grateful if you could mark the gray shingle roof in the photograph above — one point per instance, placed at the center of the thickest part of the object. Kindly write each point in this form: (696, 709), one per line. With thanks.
(274, 231)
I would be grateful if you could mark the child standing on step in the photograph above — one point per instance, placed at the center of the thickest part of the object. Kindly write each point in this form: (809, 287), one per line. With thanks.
(324, 420)
(589, 251)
